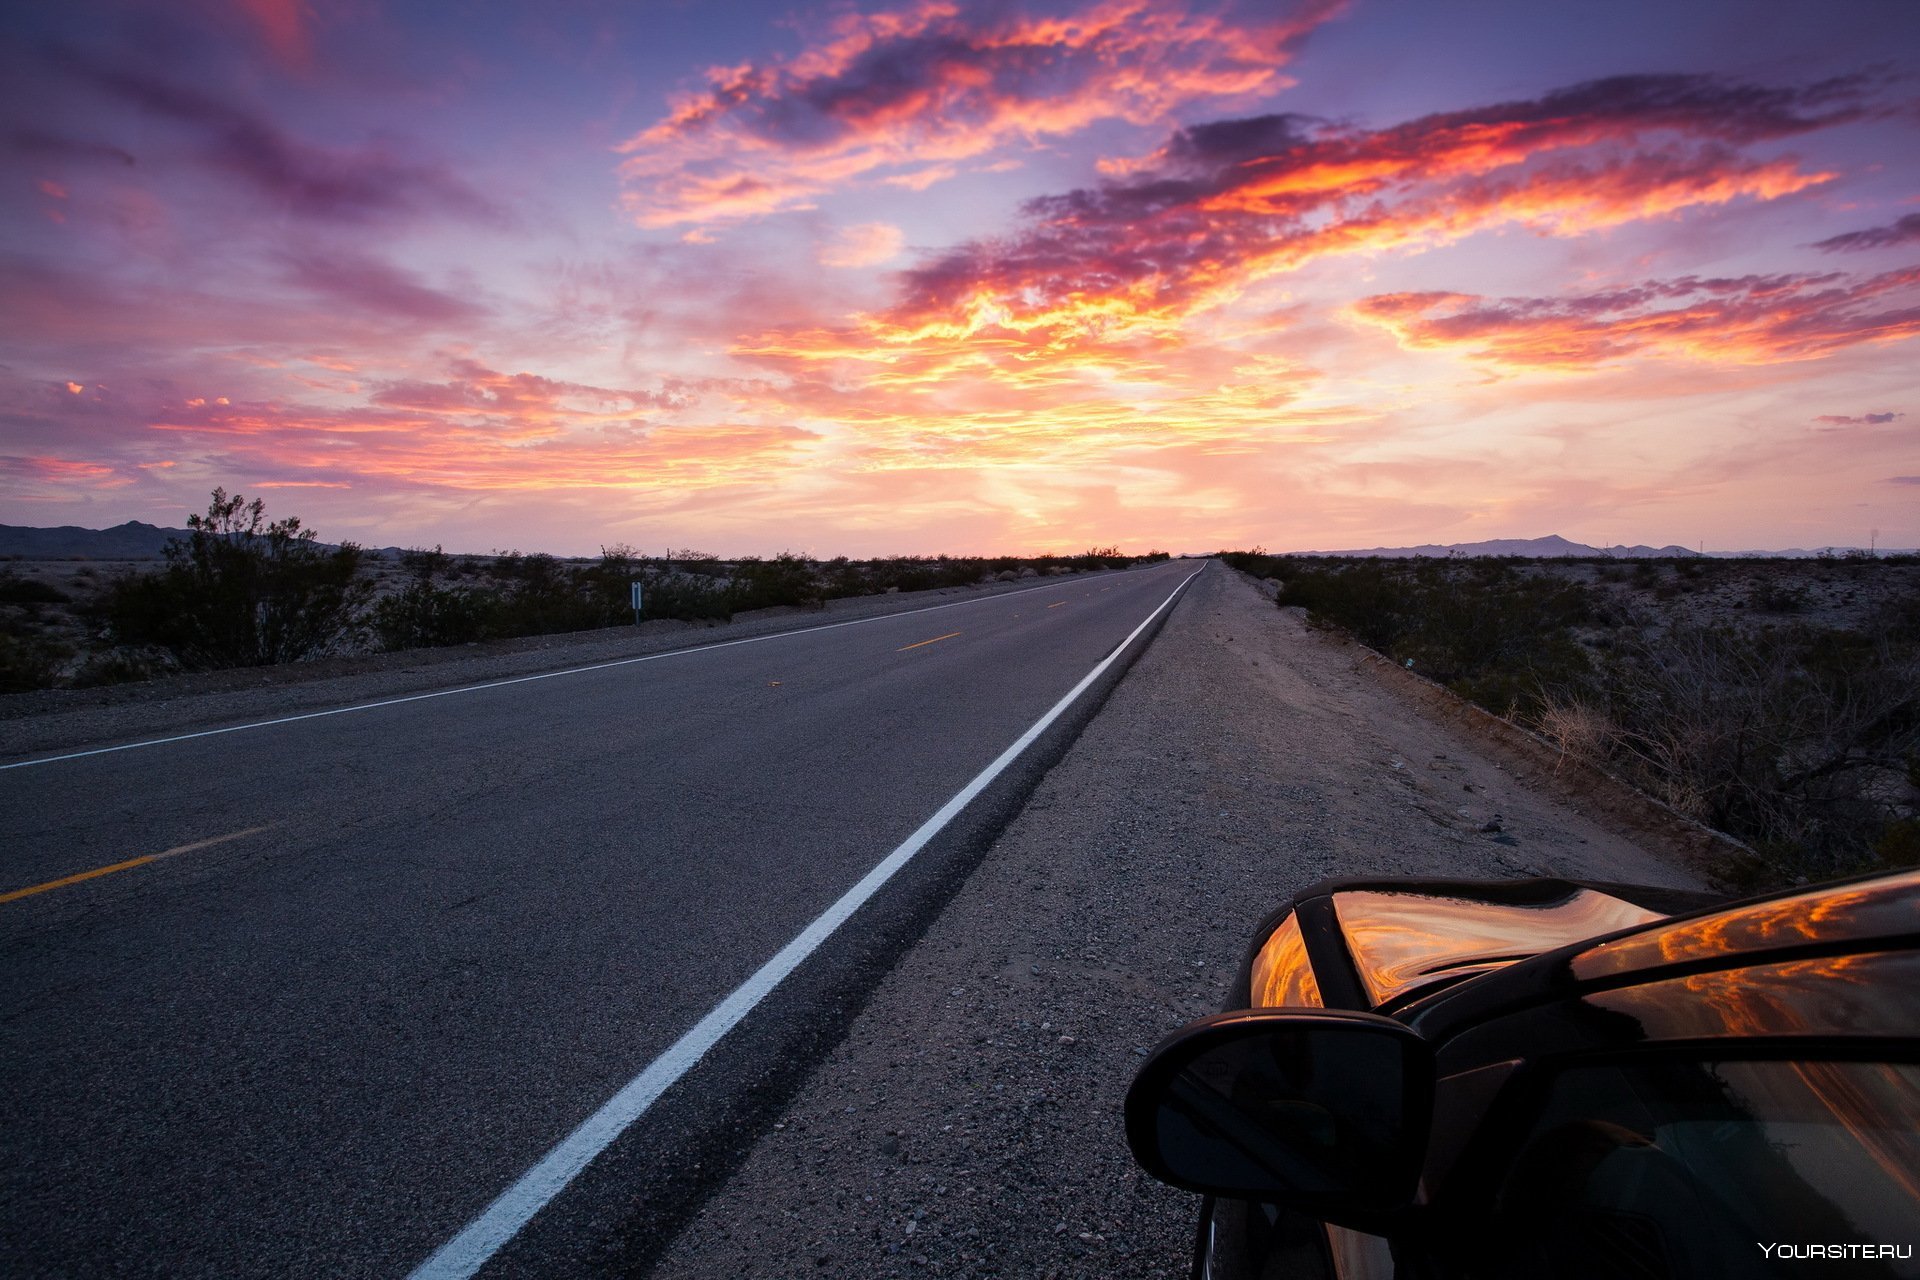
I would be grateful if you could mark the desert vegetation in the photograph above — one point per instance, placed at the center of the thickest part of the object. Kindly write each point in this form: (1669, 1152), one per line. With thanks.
(1778, 701)
(243, 589)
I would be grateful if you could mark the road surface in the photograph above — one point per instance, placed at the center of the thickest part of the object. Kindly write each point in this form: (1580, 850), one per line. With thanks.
(306, 997)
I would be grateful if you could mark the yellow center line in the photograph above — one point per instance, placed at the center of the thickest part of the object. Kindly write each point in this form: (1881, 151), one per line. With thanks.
(1056, 604)
(936, 640)
(129, 864)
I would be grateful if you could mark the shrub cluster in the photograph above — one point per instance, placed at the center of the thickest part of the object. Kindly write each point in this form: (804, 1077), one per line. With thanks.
(1803, 741)
(241, 590)
(1498, 631)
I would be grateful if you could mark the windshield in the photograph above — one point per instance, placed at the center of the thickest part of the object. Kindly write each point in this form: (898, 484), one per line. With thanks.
(1689, 1168)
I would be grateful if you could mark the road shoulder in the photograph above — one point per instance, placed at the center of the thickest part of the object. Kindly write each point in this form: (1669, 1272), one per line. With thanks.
(968, 1124)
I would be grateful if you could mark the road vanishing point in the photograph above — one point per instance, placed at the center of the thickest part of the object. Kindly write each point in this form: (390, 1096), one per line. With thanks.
(496, 978)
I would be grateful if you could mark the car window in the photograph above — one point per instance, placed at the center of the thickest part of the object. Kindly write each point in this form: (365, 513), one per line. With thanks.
(1701, 1169)
(1282, 975)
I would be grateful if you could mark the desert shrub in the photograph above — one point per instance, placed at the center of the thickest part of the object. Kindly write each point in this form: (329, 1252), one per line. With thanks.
(1255, 562)
(786, 579)
(1792, 739)
(123, 666)
(686, 587)
(422, 615)
(689, 596)
(1485, 628)
(1798, 740)
(425, 614)
(539, 595)
(15, 589)
(240, 591)
(30, 662)
(1363, 596)
(1899, 844)
(1774, 597)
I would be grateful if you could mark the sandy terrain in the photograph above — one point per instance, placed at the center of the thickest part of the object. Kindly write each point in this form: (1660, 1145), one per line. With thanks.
(969, 1124)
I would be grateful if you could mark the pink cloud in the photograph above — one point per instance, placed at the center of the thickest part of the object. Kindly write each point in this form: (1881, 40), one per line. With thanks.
(1748, 320)
(863, 245)
(1904, 231)
(900, 95)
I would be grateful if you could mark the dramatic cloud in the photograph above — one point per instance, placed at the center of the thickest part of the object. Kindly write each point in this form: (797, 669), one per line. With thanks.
(1905, 231)
(1102, 290)
(1225, 204)
(901, 95)
(1752, 319)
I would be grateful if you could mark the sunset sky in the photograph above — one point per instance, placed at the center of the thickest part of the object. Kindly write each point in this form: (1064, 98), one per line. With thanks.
(936, 276)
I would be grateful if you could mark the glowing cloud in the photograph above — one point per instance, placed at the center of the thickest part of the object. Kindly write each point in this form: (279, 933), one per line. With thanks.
(899, 95)
(1749, 320)
(1223, 205)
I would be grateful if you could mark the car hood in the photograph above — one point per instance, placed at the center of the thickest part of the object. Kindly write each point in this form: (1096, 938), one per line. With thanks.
(1403, 940)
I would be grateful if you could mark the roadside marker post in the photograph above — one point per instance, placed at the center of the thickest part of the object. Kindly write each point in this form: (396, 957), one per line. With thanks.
(636, 604)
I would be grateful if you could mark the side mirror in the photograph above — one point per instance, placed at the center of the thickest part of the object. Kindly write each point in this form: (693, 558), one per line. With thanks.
(1321, 1110)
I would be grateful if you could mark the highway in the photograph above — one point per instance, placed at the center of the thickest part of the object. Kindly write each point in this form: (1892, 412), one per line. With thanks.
(315, 996)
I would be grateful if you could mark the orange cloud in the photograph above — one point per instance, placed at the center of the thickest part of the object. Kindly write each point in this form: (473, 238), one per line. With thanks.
(484, 430)
(1224, 205)
(1749, 320)
(901, 95)
(18, 473)
(1101, 330)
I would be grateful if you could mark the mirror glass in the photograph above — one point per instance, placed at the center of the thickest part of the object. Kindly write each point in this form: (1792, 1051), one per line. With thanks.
(1288, 1110)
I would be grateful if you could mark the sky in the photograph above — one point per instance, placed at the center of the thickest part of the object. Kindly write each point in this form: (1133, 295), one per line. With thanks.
(934, 276)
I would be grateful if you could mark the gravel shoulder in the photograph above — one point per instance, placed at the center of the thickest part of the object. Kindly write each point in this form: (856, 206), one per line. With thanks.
(969, 1123)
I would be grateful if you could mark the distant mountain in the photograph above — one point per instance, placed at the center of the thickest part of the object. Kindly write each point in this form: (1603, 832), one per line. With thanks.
(1554, 546)
(130, 541)
(1550, 547)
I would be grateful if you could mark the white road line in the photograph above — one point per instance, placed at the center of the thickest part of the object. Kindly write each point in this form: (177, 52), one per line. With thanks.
(498, 684)
(480, 1239)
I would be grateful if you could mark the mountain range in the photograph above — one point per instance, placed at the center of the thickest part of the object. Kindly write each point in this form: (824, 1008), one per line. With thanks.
(134, 540)
(1553, 546)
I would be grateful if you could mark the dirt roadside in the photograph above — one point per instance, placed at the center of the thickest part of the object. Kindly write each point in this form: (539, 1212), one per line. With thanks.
(969, 1123)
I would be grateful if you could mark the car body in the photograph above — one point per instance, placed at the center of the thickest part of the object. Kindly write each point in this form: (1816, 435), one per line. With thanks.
(1455, 1080)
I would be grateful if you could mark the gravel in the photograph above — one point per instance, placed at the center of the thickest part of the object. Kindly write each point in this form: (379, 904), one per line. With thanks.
(969, 1123)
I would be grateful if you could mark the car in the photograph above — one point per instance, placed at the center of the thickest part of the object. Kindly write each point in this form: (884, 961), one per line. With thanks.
(1456, 1080)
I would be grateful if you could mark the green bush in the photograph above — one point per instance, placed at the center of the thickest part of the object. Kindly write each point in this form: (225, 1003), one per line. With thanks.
(241, 591)
(30, 662)
(15, 589)
(786, 579)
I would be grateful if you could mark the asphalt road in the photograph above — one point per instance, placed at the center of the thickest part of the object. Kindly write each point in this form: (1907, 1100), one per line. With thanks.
(383, 961)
